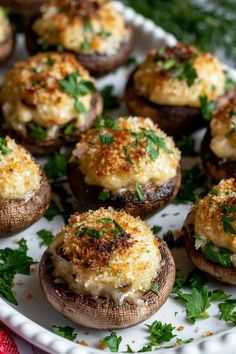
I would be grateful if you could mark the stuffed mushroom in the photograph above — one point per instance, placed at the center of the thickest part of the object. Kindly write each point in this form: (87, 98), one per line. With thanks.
(126, 163)
(210, 231)
(7, 38)
(47, 101)
(91, 29)
(173, 87)
(106, 269)
(24, 189)
(218, 150)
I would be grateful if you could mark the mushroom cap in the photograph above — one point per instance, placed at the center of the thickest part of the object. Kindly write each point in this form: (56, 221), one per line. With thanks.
(104, 314)
(18, 214)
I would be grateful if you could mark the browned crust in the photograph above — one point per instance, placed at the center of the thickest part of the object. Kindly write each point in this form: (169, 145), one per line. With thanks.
(18, 214)
(97, 64)
(46, 147)
(105, 315)
(215, 167)
(174, 120)
(25, 8)
(7, 46)
(155, 197)
(226, 275)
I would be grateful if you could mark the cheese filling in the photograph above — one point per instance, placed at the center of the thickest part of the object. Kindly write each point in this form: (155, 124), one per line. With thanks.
(215, 218)
(105, 253)
(4, 25)
(223, 131)
(48, 90)
(67, 24)
(179, 76)
(133, 151)
(20, 176)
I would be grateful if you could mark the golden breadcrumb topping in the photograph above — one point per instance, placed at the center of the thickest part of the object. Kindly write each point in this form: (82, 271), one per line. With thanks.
(223, 131)
(134, 150)
(178, 76)
(87, 26)
(4, 25)
(215, 216)
(106, 253)
(20, 176)
(48, 89)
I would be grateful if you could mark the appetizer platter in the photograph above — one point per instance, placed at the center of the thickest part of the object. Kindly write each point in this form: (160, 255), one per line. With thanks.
(108, 268)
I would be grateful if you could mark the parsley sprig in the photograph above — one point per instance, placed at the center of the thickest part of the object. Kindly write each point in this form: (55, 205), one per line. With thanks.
(65, 332)
(4, 149)
(112, 342)
(183, 71)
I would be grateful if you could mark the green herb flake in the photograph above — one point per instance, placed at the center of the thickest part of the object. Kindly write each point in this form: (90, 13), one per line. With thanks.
(139, 192)
(127, 155)
(160, 333)
(4, 149)
(37, 132)
(229, 84)
(217, 255)
(169, 64)
(227, 311)
(104, 196)
(105, 220)
(227, 224)
(196, 279)
(46, 237)
(112, 342)
(79, 106)
(69, 128)
(170, 240)
(50, 61)
(110, 101)
(106, 122)
(85, 46)
(104, 34)
(156, 229)
(65, 332)
(207, 107)
(154, 287)
(187, 146)
(106, 139)
(179, 281)
(52, 211)
(88, 26)
(214, 192)
(131, 61)
(56, 166)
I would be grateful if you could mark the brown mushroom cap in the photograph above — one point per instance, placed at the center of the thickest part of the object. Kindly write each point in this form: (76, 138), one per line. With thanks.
(97, 64)
(7, 46)
(18, 214)
(46, 147)
(104, 314)
(215, 167)
(174, 120)
(155, 197)
(226, 275)
(25, 8)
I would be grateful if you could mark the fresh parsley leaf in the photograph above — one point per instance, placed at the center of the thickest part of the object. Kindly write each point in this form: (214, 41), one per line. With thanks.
(169, 64)
(3, 147)
(196, 279)
(186, 72)
(69, 128)
(104, 34)
(112, 342)
(13, 262)
(95, 233)
(156, 229)
(154, 287)
(186, 146)
(229, 84)
(214, 192)
(85, 45)
(131, 61)
(227, 312)
(105, 220)
(88, 26)
(170, 240)
(79, 106)
(50, 61)
(52, 211)
(46, 237)
(127, 155)
(65, 332)
(56, 166)
(129, 349)
(227, 220)
(36, 131)
(106, 122)
(217, 255)
(110, 101)
(160, 333)
(207, 107)
(179, 281)
(104, 196)
(106, 139)
(139, 192)
(218, 295)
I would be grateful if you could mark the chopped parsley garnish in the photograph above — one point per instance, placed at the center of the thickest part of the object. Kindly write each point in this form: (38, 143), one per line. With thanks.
(170, 240)
(65, 332)
(127, 155)
(183, 71)
(160, 333)
(196, 279)
(85, 45)
(106, 122)
(76, 88)
(214, 192)
(131, 61)
(46, 237)
(129, 349)
(68, 128)
(56, 166)
(229, 84)
(154, 287)
(105, 220)
(156, 229)
(13, 262)
(3, 147)
(106, 139)
(227, 311)
(227, 220)
(207, 107)
(186, 146)
(179, 281)
(104, 196)
(93, 233)
(52, 211)
(50, 61)
(88, 26)
(109, 99)
(36, 131)
(104, 34)
(139, 192)
(159, 55)
(112, 342)
(217, 255)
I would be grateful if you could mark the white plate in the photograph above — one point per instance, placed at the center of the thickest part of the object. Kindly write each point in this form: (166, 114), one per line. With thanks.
(33, 317)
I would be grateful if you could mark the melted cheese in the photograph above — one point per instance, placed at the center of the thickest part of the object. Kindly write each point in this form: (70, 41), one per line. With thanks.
(161, 87)
(101, 32)
(20, 176)
(107, 165)
(31, 92)
(132, 259)
(4, 25)
(208, 222)
(223, 131)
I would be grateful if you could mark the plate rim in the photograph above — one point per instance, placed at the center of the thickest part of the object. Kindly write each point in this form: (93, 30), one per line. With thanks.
(54, 344)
